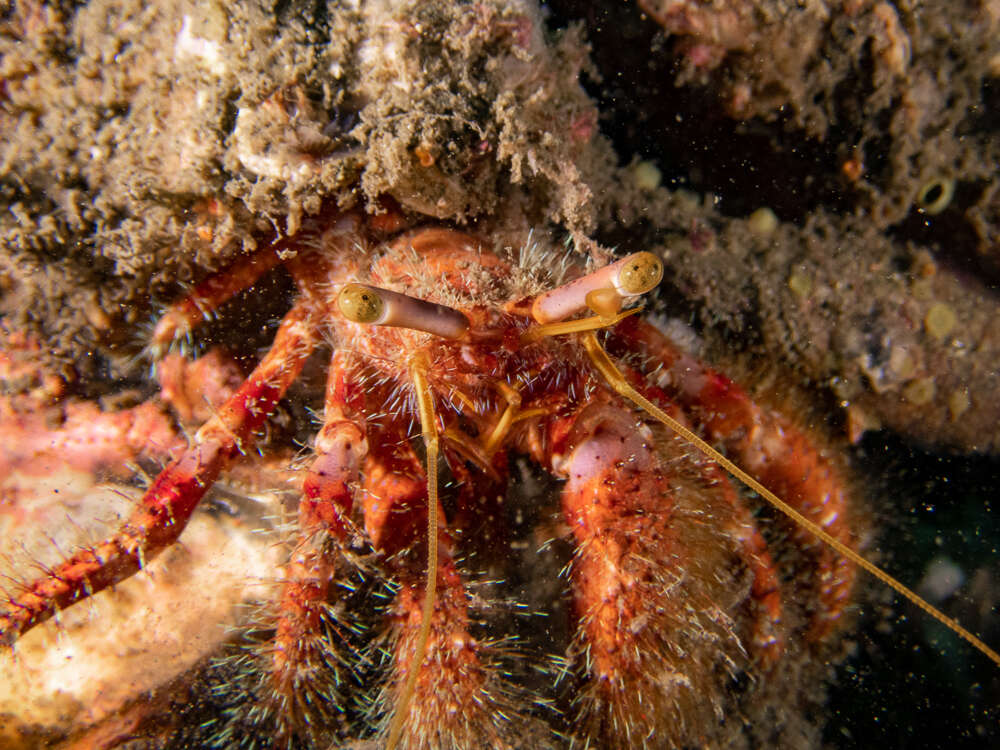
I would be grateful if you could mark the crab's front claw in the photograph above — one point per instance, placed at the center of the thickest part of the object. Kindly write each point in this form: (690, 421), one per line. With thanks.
(653, 578)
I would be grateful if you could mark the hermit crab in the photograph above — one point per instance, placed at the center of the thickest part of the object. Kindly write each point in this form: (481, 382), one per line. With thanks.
(451, 358)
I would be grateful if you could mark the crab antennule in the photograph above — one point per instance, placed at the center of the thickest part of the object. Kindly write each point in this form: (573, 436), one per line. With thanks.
(577, 325)
(428, 427)
(617, 381)
(603, 291)
(361, 303)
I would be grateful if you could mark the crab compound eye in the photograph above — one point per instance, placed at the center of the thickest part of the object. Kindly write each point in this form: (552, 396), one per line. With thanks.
(639, 274)
(361, 304)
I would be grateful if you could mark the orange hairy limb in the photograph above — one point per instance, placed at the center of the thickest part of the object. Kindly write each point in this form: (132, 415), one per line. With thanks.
(167, 505)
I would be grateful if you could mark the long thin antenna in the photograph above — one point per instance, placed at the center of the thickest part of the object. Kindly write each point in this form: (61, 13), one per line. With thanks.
(428, 427)
(617, 381)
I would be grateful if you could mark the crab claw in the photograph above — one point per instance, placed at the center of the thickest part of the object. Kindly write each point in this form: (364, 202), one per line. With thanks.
(653, 575)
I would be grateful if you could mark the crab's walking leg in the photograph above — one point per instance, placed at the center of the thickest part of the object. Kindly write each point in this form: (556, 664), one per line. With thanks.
(767, 639)
(208, 295)
(169, 502)
(302, 656)
(757, 437)
(341, 446)
(769, 447)
(456, 699)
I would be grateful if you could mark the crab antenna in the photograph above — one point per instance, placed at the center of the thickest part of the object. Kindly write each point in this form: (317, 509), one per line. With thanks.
(428, 427)
(602, 291)
(372, 305)
(617, 381)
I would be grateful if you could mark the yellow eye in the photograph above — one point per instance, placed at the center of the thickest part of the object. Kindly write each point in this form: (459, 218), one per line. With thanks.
(361, 304)
(640, 273)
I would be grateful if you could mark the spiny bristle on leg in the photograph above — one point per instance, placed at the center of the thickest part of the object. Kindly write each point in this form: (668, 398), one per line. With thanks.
(648, 665)
(461, 698)
(654, 575)
(291, 680)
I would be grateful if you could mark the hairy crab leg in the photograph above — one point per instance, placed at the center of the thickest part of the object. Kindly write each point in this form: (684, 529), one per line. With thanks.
(301, 656)
(642, 613)
(210, 294)
(169, 502)
(767, 638)
(771, 448)
(340, 448)
(434, 651)
(615, 378)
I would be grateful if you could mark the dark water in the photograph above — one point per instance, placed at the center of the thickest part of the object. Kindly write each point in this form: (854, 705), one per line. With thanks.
(913, 683)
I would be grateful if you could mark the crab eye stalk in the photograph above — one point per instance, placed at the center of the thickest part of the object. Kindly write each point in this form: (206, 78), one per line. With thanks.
(372, 305)
(601, 291)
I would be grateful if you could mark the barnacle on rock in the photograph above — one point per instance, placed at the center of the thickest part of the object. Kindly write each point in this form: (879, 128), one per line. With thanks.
(935, 195)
